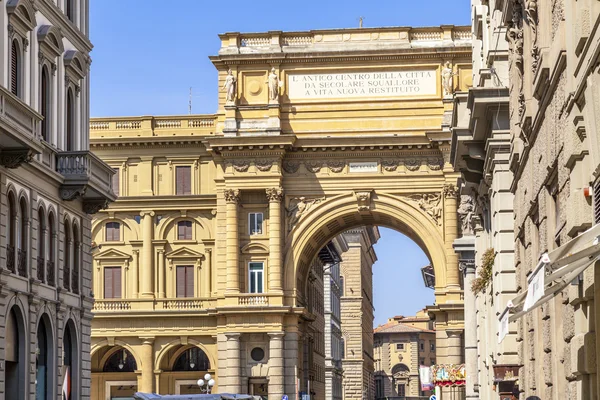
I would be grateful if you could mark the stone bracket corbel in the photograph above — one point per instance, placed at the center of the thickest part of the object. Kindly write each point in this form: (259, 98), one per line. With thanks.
(363, 198)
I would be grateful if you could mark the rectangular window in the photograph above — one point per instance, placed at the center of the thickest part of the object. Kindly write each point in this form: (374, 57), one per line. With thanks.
(113, 231)
(184, 230)
(184, 180)
(185, 281)
(422, 346)
(400, 346)
(115, 182)
(432, 361)
(255, 223)
(432, 346)
(256, 271)
(402, 390)
(112, 282)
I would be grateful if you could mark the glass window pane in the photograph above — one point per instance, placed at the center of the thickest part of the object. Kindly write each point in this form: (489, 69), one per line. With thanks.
(259, 278)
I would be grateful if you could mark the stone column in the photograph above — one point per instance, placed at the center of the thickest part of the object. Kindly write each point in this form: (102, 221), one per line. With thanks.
(454, 349)
(234, 378)
(147, 359)
(450, 234)
(161, 274)
(468, 267)
(147, 255)
(276, 371)
(275, 196)
(232, 197)
(135, 276)
(291, 362)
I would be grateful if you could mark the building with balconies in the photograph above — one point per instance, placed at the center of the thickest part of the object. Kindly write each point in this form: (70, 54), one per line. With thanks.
(50, 185)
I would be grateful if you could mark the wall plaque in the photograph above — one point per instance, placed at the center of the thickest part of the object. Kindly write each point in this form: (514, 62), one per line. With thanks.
(354, 167)
(363, 84)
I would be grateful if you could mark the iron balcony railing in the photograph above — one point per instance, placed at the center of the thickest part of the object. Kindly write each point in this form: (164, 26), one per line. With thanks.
(41, 269)
(10, 258)
(22, 262)
(50, 272)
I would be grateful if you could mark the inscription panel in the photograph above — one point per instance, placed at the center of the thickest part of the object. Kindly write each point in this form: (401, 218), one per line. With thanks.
(363, 84)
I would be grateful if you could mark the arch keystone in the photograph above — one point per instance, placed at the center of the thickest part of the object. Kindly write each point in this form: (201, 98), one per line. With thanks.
(364, 199)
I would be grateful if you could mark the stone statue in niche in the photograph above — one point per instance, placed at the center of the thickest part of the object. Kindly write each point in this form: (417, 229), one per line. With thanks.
(447, 79)
(229, 86)
(298, 207)
(465, 213)
(274, 85)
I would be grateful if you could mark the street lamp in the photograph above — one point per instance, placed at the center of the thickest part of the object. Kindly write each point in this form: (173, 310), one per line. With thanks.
(206, 384)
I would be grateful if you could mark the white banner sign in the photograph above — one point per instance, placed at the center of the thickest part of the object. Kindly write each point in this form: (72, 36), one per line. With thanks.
(362, 167)
(363, 84)
(503, 326)
(535, 291)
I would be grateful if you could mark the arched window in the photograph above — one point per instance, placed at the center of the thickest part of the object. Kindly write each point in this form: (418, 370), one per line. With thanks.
(120, 361)
(44, 357)
(70, 363)
(70, 121)
(15, 69)
(41, 244)
(23, 242)
(11, 234)
(67, 257)
(76, 248)
(192, 359)
(50, 269)
(15, 357)
(45, 103)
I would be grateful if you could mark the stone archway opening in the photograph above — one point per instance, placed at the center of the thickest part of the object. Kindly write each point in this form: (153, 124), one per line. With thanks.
(309, 255)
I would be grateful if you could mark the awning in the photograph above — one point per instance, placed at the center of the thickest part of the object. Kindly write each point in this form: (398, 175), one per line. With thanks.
(553, 273)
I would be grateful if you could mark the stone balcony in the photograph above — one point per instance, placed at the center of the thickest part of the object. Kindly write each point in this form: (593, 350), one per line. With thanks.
(86, 177)
(124, 127)
(19, 130)
(109, 306)
(345, 39)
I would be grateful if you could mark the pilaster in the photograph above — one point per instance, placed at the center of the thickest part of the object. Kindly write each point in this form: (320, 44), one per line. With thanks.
(275, 196)
(232, 197)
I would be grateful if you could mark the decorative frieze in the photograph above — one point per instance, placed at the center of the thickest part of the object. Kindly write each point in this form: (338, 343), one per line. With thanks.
(413, 164)
(430, 203)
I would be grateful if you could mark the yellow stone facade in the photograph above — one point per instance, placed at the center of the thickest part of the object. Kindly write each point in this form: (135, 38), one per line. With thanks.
(321, 132)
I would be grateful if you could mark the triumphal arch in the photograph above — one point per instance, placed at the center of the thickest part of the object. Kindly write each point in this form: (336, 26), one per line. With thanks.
(328, 130)
(341, 128)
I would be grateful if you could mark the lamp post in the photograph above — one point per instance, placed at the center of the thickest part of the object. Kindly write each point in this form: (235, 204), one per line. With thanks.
(206, 384)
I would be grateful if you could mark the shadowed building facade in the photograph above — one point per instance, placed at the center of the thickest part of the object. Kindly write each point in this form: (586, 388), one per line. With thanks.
(50, 185)
(220, 219)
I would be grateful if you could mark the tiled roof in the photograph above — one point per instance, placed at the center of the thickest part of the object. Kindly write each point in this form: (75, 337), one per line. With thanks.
(395, 327)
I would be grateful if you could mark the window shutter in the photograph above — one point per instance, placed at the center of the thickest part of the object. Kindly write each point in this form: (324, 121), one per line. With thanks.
(188, 230)
(109, 232)
(189, 281)
(108, 283)
(116, 282)
(69, 121)
(14, 69)
(117, 232)
(180, 282)
(115, 181)
(184, 181)
(180, 231)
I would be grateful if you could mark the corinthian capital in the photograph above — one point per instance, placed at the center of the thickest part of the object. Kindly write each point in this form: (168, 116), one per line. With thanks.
(274, 195)
(232, 195)
(450, 191)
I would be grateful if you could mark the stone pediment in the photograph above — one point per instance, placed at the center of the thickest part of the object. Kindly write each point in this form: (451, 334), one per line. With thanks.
(112, 254)
(255, 248)
(184, 253)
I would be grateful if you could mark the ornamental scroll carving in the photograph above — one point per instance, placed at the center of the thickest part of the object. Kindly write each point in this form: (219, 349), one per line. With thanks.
(274, 195)
(298, 207)
(515, 40)
(450, 191)
(435, 164)
(364, 200)
(390, 165)
(531, 12)
(314, 166)
(232, 195)
(264, 165)
(241, 165)
(430, 203)
(291, 167)
(412, 164)
(336, 165)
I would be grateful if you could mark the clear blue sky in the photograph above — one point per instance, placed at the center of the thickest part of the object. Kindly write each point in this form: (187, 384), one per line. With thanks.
(148, 53)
